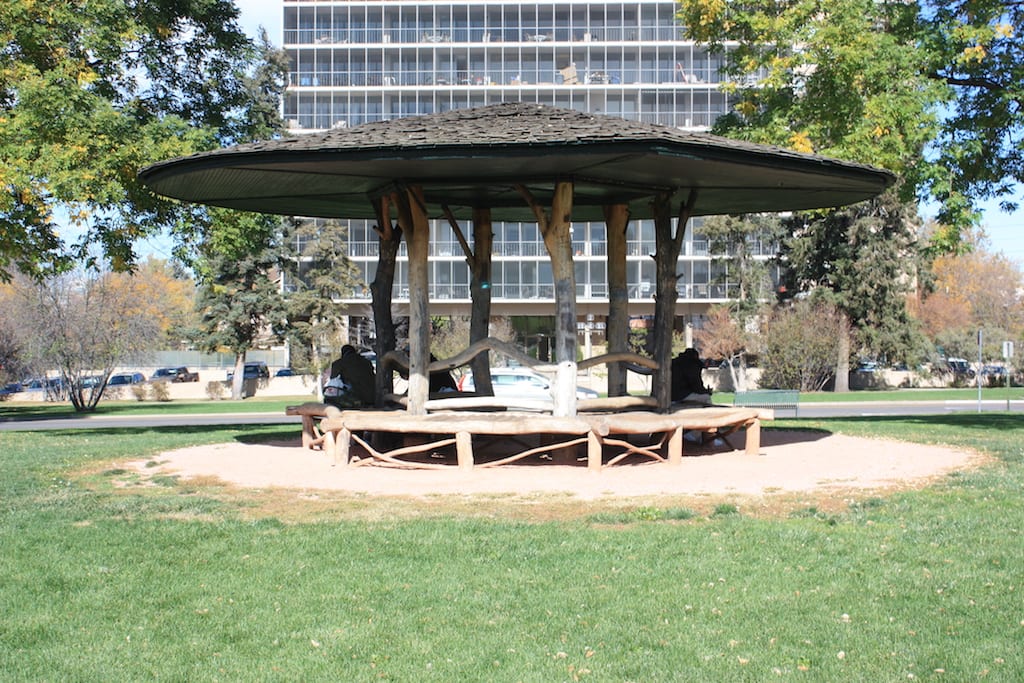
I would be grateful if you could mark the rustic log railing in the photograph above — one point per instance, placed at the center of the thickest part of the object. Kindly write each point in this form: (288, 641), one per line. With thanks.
(398, 361)
(338, 430)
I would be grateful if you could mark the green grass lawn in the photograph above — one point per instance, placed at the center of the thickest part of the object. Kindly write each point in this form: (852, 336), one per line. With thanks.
(26, 410)
(103, 577)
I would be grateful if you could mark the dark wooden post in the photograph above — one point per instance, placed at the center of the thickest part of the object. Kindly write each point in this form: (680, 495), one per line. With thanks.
(616, 219)
(478, 256)
(389, 238)
(666, 260)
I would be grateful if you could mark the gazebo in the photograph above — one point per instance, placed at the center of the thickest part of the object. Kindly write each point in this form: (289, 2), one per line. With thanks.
(516, 162)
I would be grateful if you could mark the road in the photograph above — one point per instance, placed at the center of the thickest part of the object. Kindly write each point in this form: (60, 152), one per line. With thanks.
(807, 410)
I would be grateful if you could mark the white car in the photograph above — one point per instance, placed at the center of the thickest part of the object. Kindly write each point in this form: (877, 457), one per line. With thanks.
(521, 383)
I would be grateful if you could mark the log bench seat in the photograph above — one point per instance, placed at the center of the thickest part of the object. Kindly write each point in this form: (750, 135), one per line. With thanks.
(312, 412)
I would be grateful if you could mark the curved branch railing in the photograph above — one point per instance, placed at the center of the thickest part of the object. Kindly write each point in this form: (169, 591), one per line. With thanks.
(399, 361)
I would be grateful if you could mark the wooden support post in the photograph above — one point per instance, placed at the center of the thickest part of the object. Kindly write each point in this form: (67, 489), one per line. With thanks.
(416, 224)
(666, 261)
(593, 451)
(478, 257)
(675, 447)
(464, 450)
(329, 444)
(389, 240)
(307, 432)
(616, 217)
(341, 446)
(554, 228)
(753, 445)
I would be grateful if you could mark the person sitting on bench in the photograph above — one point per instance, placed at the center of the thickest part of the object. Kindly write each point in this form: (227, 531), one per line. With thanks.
(687, 378)
(357, 386)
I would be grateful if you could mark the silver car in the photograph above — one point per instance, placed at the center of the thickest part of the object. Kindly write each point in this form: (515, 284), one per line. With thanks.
(521, 383)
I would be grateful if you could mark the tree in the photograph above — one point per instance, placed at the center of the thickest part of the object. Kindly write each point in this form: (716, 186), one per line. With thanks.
(726, 333)
(238, 300)
(89, 93)
(972, 291)
(731, 242)
(801, 345)
(13, 365)
(889, 83)
(322, 275)
(721, 337)
(238, 252)
(166, 294)
(449, 336)
(84, 324)
(862, 258)
(975, 47)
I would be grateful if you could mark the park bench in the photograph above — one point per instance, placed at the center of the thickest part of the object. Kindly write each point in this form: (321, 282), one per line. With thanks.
(312, 412)
(774, 399)
(422, 434)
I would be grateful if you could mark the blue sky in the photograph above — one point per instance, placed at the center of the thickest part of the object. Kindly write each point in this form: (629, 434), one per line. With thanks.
(1005, 231)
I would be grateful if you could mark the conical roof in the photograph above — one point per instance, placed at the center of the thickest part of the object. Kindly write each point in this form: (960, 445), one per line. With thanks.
(476, 157)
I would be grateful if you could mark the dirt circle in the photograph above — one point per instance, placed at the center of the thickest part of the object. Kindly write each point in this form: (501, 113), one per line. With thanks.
(789, 461)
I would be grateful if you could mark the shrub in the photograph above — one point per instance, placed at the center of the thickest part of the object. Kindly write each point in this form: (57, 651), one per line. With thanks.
(139, 392)
(215, 390)
(160, 391)
(801, 346)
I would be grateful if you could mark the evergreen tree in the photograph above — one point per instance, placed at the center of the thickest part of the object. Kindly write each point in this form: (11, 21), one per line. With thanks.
(321, 275)
(238, 302)
(862, 259)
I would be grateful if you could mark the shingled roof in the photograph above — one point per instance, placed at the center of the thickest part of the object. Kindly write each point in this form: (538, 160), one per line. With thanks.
(474, 157)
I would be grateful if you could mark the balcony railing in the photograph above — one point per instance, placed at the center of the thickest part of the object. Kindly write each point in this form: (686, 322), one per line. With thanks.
(514, 34)
(546, 292)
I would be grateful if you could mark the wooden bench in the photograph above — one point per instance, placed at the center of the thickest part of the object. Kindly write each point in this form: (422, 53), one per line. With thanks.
(774, 399)
(444, 429)
(426, 434)
(312, 436)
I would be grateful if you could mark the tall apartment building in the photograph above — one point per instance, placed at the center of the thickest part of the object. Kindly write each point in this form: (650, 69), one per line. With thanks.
(356, 61)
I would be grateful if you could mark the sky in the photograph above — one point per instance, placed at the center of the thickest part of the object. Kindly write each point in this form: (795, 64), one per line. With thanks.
(1005, 231)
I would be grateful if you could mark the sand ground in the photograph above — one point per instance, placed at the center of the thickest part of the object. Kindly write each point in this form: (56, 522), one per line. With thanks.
(790, 461)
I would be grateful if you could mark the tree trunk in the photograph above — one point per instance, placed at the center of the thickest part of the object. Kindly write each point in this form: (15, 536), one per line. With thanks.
(416, 224)
(480, 291)
(616, 219)
(238, 378)
(389, 239)
(558, 241)
(314, 355)
(843, 361)
(666, 260)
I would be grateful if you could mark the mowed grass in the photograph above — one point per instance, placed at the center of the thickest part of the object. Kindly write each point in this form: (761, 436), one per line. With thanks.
(109, 575)
(27, 411)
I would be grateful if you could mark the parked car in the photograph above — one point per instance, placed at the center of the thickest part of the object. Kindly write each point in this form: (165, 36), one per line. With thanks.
(11, 388)
(52, 384)
(252, 370)
(867, 366)
(285, 372)
(122, 378)
(994, 371)
(960, 366)
(521, 383)
(177, 374)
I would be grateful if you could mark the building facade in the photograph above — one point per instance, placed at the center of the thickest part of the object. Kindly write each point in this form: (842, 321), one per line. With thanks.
(352, 62)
